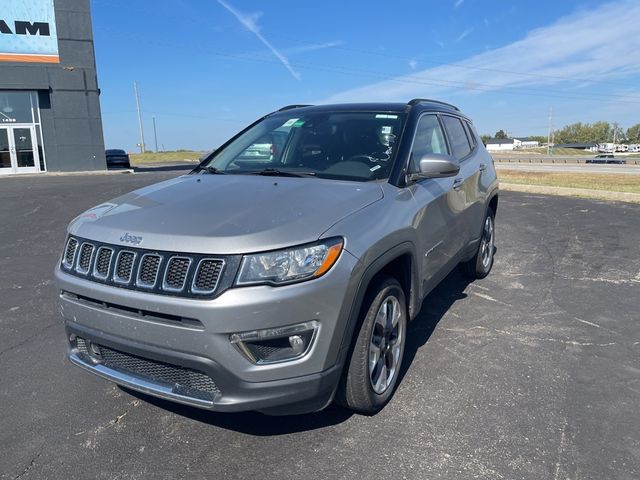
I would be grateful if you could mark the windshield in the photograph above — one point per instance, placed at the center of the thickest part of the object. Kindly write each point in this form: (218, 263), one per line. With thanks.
(357, 146)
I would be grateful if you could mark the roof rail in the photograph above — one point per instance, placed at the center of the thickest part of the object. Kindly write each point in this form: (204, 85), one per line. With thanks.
(415, 101)
(291, 107)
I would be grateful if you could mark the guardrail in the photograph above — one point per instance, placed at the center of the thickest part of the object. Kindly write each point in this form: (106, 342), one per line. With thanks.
(559, 159)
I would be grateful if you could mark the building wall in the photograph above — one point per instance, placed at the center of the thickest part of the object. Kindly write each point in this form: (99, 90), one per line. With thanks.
(68, 92)
(500, 146)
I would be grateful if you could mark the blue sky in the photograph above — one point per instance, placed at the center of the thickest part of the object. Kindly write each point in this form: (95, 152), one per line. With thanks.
(206, 68)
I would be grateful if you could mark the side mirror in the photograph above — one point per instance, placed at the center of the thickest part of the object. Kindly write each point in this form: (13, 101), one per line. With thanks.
(436, 165)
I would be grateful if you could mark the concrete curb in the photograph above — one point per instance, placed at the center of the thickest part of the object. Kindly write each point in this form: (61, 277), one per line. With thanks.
(573, 192)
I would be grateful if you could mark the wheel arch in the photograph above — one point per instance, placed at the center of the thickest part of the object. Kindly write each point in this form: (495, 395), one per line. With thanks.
(398, 262)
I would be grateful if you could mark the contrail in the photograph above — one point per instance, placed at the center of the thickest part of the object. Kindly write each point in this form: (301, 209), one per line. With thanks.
(249, 22)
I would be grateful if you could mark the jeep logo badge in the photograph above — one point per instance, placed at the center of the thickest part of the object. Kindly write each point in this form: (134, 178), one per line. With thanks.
(132, 239)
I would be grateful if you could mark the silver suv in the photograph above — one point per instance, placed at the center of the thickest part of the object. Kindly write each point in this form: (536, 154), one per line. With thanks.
(281, 284)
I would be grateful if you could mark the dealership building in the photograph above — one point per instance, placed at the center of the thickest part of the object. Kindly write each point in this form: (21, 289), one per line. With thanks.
(50, 116)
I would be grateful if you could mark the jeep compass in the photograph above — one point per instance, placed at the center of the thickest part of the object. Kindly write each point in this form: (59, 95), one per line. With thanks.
(280, 274)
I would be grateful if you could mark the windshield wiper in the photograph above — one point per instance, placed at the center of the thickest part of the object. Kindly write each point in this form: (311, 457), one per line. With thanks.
(274, 172)
(213, 170)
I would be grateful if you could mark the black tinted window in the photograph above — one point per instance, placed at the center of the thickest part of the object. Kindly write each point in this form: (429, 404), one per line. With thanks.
(473, 139)
(355, 145)
(457, 137)
(429, 139)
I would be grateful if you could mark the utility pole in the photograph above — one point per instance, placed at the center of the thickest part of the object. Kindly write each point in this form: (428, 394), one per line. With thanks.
(549, 130)
(135, 89)
(155, 133)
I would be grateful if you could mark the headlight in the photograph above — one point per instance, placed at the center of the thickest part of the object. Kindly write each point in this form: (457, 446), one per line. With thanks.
(291, 265)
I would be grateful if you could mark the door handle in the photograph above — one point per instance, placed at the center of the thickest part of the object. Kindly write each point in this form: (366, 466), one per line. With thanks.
(483, 167)
(457, 183)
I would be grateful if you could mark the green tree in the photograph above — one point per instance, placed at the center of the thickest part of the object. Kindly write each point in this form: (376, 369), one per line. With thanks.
(598, 132)
(501, 134)
(484, 138)
(633, 133)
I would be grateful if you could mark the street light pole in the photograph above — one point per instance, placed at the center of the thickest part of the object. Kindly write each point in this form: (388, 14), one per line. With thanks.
(135, 89)
(155, 133)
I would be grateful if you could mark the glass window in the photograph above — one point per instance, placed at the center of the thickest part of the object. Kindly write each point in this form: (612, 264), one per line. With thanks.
(428, 139)
(15, 107)
(358, 146)
(457, 137)
(473, 138)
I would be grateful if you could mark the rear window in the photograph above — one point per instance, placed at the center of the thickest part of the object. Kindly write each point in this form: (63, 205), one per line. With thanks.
(115, 152)
(457, 137)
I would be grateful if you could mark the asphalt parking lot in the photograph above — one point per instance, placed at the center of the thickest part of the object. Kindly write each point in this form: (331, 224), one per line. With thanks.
(531, 373)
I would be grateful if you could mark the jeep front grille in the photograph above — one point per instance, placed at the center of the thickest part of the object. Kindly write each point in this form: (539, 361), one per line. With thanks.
(168, 273)
(148, 270)
(84, 260)
(124, 266)
(70, 252)
(103, 263)
(176, 275)
(207, 275)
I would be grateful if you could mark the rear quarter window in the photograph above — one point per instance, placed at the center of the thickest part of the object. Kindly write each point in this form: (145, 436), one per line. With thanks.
(458, 139)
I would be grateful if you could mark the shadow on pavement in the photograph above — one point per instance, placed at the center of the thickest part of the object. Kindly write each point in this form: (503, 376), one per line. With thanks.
(434, 307)
(419, 331)
(253, 423)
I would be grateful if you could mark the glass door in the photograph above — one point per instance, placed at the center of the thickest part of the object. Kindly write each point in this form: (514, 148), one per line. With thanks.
(18, 150)
(6, 165)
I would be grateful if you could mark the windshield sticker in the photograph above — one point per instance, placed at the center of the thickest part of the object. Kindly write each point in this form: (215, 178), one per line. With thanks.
(299, 123)
(289, 122)
(385, 115)
(385, 130)
(374, 168)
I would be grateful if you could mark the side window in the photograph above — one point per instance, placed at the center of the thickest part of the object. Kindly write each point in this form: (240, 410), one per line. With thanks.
(471, 133)
(429, 139)
(457, 137)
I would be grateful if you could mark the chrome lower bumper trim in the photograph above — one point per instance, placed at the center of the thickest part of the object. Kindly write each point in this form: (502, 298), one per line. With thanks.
(137, 383)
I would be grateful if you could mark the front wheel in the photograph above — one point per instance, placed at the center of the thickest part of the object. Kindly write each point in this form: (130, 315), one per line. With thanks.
(480, 265)
(374, 366)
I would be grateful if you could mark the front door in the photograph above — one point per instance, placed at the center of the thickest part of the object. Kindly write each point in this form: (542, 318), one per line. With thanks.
(18, 150)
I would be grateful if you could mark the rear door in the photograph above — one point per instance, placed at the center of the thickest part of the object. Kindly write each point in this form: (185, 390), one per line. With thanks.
(466, 186)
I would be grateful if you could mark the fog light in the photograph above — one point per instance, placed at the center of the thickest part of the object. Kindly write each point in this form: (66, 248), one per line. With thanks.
(273, 345)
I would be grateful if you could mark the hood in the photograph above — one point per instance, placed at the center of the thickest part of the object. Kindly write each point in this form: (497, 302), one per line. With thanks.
(225, 214)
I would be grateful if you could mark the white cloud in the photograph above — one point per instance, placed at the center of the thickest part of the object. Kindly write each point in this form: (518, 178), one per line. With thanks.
(413, 64)
(576, 47)
(290, 51)
(250, 22)
(464, 34)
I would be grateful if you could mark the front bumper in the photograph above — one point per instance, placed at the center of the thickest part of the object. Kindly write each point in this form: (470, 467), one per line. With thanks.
(135, 323)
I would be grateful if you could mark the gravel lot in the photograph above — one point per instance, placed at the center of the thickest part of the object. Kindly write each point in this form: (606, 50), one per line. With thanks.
(532, 373)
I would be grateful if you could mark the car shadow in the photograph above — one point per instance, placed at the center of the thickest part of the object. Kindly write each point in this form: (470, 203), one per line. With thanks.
(253, 423)
(434, 307)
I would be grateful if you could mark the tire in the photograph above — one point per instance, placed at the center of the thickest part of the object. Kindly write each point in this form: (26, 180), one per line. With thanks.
(377, 350)
(482, 262)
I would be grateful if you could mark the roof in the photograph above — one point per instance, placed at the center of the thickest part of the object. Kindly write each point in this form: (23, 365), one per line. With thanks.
(395, 107)
(526, 139)
(498, 141)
